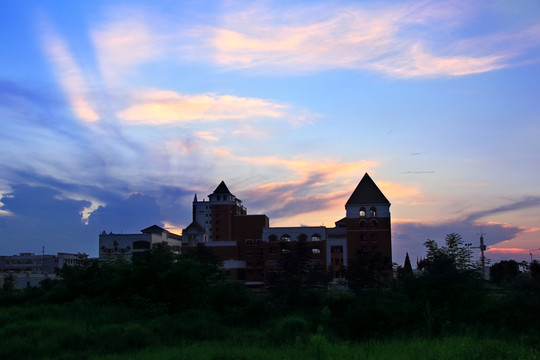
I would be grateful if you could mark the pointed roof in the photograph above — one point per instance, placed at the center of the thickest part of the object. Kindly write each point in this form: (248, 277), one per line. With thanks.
(154, 229)
(195, 225)
(222, 189)
(367, 193)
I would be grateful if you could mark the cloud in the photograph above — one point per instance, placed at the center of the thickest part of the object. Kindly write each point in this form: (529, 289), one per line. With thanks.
(68, 73)
(526, 203)
(502, 239)
(394, 39)
(164, 107)
(130, 38)
(66, 221)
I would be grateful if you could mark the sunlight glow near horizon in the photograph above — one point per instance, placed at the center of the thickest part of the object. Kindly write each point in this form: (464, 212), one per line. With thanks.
(288, 104)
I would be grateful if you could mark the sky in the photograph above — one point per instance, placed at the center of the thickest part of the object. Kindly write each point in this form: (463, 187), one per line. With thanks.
(113, 114)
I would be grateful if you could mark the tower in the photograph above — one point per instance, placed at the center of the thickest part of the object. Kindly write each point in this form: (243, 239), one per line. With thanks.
(216, 214)
(367, 223)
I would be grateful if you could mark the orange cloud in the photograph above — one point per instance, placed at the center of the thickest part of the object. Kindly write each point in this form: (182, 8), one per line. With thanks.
(165, 107)
(206, 136)
(417, 62)
(68, 73)
(507, 250)
(174, 228)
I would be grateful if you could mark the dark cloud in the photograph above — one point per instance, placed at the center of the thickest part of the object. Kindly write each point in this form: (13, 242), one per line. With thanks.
(526, 203)
(290, 199)
(45, 216)
(40, 217)
(410, 237)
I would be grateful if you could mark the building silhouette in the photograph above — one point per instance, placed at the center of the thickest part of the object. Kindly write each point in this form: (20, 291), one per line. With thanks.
(250, 248)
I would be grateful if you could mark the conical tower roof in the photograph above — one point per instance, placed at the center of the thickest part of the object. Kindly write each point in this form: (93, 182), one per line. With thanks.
(367, 193)
(222, 189)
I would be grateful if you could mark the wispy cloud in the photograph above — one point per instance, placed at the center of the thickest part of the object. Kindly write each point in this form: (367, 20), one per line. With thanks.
(128, 39)
(68, 73)
(165, 107)
(393, 39)
(525, 203)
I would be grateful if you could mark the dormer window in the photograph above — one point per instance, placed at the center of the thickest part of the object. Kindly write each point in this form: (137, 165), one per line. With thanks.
(373, 212)
(362, 212)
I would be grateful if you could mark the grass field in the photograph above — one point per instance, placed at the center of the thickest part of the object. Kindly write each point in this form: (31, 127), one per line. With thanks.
(83, 330)
(318, 348)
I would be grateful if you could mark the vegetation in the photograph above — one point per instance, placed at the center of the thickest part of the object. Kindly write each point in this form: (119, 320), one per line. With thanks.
(163, 306)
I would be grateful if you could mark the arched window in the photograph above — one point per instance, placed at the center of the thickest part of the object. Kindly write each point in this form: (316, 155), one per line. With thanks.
(363, 212)
(272, 237)
(316, 251)
(373, 212)
(373, 223)
(315, 237)
(302, 237)
(363, 223)
(285, 237)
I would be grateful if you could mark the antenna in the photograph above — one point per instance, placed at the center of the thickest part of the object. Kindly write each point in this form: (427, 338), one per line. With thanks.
(531, 251)
(482, 248)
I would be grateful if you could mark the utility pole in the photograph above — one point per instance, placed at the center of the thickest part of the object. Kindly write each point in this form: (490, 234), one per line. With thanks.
(531, 251)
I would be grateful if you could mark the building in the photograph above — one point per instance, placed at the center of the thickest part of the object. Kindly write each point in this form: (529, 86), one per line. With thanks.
(29, 263)
(29, 269)
(250, 249)
(113, 246)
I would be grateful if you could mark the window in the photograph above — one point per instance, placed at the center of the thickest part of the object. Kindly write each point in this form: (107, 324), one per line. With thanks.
(316, 251)
(285, 237)
(141, 245)
(336, 249)
(272, 237)
(362, 212)
(302, 237)
(362, 223)
(373, 223)
(315, 237)
(373, 212)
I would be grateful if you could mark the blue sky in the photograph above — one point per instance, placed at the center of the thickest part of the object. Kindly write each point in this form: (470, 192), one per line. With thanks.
(115, 113)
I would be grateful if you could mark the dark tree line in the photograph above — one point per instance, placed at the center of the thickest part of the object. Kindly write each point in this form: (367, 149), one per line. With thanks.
(446, 295)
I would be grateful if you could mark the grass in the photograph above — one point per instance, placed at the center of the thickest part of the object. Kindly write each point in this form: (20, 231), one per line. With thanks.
(95, 330)
(441, 349)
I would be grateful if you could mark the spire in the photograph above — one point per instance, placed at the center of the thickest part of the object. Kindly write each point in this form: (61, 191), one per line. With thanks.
(367, 193)
(407, 265)
(195, 198)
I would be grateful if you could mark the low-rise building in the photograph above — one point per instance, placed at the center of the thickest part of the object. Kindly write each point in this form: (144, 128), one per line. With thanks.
(113, 246)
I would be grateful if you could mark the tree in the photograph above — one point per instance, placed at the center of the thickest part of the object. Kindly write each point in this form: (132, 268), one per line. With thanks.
(454, 256)
(366, 271)
(298, 277)
(9, 283)
(505, 271)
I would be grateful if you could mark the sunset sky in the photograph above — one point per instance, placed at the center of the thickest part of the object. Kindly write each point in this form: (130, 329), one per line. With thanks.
(114, 114)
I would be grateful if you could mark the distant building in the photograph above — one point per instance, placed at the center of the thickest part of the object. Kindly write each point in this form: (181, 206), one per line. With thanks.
(30, 263)
(113, 246)
(250, 248)
(29, 269)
